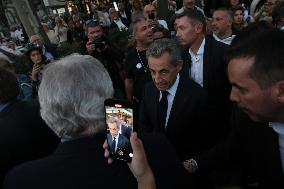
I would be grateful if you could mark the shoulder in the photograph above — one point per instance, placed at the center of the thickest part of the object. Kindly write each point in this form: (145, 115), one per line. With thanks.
(213, 44)
(25, 174)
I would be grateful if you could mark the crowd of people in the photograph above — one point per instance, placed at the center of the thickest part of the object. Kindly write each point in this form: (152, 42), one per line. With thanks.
(207, 87)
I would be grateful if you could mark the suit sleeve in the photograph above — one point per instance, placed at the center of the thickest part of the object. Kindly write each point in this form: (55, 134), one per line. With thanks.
(144, 122)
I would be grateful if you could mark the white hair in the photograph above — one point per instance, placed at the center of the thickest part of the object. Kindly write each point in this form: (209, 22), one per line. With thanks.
(72, 94)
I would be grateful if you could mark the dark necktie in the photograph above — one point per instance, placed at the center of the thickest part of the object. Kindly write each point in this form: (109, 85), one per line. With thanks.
(113, 145)
(163, 107)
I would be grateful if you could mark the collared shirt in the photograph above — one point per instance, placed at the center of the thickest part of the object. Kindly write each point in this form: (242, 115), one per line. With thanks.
(123, 14)
(227, 40)
(279, 129)
(120, 25)
(196, 70)
(172, 92)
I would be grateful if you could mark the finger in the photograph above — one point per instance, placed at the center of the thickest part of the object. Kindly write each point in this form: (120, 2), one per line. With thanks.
(109, 160)
(105, 145)
(136, 144)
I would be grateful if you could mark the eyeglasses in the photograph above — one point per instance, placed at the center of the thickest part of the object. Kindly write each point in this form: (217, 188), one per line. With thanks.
(93, 22)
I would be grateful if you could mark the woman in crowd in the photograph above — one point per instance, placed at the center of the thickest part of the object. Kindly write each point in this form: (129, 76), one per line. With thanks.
(38, 62)
(238, 19)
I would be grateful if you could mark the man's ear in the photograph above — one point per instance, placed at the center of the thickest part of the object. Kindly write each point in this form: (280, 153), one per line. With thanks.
(198, 27)
(179, 65)
(280, 91)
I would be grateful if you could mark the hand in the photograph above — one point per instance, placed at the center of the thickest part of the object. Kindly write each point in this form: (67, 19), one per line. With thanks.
(35, 71)
(139, 165)
(90, 47)
(153, 23)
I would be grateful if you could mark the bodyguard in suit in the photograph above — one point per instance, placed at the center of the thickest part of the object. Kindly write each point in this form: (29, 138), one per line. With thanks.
(23, 134)
(71, 95)
(205, 64)
(258, 90)
(172, 104)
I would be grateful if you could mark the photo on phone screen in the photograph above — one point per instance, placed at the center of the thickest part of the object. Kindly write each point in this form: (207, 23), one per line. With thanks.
(119, 121)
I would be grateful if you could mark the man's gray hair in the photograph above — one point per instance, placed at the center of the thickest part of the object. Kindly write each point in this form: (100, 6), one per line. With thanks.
(72, 94)
(113, 120)
(161, 46)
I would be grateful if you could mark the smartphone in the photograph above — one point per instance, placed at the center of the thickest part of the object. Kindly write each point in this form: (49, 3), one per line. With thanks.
(152, 16)
(119, 125)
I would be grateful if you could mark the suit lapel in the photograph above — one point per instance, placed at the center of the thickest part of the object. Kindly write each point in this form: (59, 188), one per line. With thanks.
(206, 61)
(180, 100)
(272, 146)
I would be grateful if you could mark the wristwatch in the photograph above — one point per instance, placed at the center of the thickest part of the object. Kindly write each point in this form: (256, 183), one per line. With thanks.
(193, 165)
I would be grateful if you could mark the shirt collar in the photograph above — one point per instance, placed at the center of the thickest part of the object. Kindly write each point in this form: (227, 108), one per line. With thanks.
(226, 40)
(173, 89)
(200, 50)
(277, 127)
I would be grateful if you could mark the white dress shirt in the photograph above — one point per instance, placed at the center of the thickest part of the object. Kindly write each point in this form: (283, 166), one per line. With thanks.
(227, 40)
(196, 70)
(120, 25)
(170, 97)
(279, 129)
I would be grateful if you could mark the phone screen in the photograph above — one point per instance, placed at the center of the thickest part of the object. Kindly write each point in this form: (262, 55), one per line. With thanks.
(119, 121)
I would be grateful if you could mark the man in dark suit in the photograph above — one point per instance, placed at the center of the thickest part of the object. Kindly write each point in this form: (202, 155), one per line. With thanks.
(23, 134)
(171, 104)
(204, 62)
(79, 160)
(258, 89)
(124, 12)
(116, 21)
(118, 143)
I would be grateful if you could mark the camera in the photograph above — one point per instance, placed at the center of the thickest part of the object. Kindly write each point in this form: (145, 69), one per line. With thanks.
(152, 16)
(99, 44)
(155, 29)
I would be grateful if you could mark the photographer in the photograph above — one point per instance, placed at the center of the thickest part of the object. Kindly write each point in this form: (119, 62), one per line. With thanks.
(159, 27)
(98, 46)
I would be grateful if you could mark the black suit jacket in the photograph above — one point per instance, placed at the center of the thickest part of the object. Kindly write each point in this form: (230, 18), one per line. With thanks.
(215, 82)
(128, 15)
(23, 135)
(253, 147)
(81, 164)
(186, 128)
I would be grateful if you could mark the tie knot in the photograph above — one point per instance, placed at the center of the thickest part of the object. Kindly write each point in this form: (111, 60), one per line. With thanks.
(114, 138)
(165, 93)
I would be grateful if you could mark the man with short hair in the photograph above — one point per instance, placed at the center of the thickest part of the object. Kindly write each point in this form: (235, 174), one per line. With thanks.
(171, 104)
(119, 144)
(121, 24)
(222, 25)
(204, 62)
(137, 73)
(258, 90)
(98, 46)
